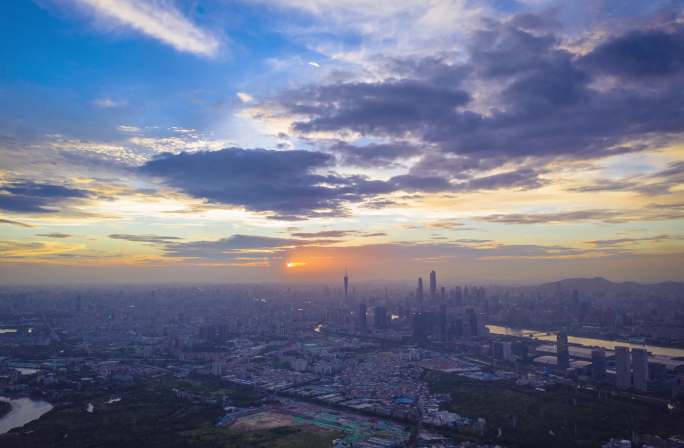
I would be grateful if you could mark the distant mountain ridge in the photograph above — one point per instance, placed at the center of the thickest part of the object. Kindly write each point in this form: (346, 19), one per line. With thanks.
(601, 285)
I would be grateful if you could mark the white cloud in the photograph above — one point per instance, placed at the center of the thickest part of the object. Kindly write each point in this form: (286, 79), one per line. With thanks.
(129, 129)
(314, 64)
(245, 97)
(399, 27)
(108, 103)
(159, 20)
(179, 130)
(105, 151)
(186, 142)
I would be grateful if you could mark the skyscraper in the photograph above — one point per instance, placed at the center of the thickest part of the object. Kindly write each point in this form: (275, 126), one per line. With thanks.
(562, 350)
(362, 317)
(381, 318)
(598, 365)
(420, 326)
(472, 324)
(419, 292)
(623, 375)
(640, 368)
(433, 285)
(346, 285)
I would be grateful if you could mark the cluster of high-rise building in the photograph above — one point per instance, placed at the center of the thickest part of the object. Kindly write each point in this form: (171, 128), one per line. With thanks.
(432, 316)
(631, 368)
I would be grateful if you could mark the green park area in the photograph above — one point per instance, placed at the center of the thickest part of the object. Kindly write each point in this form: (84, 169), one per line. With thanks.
(559, 416)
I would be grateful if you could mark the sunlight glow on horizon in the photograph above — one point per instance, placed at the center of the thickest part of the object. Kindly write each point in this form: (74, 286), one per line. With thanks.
(295, 264)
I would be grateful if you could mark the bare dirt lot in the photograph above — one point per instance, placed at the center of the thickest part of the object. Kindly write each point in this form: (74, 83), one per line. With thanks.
(263, 420)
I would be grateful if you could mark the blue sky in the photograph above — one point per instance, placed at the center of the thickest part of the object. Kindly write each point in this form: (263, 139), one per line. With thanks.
(509, 141)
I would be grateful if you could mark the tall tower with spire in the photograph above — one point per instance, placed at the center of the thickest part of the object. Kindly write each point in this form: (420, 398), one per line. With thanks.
(346, 285)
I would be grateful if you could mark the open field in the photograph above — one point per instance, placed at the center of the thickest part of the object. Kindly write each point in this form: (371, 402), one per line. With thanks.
(262, 420)
(280, 437)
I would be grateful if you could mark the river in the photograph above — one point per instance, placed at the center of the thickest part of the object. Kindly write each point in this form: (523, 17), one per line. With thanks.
(608, 344)
(24, 410)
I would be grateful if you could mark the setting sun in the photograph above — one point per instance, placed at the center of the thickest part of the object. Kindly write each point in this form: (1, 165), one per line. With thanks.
(295, 264)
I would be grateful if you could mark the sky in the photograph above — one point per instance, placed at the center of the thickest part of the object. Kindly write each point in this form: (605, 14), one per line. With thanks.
(495, 141)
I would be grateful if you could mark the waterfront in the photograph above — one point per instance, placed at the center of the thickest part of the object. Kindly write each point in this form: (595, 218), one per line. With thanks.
(608, 344)
(24, 410)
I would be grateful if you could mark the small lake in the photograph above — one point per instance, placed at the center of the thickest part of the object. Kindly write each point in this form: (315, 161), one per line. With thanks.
(24, 410)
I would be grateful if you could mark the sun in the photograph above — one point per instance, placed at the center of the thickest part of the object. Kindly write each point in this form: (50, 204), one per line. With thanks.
(295, 264)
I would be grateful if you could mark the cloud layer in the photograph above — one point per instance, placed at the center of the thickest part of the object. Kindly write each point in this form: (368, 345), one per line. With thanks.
(158, 20)
(34, 197)
(519, 94)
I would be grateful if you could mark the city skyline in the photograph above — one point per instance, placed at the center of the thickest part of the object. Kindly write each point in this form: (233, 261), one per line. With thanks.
(494, 142)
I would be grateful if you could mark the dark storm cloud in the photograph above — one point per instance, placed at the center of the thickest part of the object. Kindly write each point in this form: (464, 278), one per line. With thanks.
(153, 239)
(516, 96)
(674, 169)
(665, 211)
(502, 50)
(429, 69)
(374, 155)
(606, 185)
(451, 166)
(619, 241)
(651, 212)
(542, 101)
(391, 107)
(544, 218)
(55, 235)
(378, 204)
(658, 183)
(523, 179)
(649, 189)
(325, 234)
(244, 246)
(412, 183)
(14, 223)
(336, 234)
(446, 224)
(283, 182)
(640, 54)
(471, 241)
(34, 197)
(286, 183)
